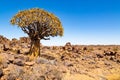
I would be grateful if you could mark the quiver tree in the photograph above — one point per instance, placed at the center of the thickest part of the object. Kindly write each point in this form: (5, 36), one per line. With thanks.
(38, 24)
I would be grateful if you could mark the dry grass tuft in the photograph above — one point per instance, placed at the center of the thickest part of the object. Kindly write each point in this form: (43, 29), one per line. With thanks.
(113, 77)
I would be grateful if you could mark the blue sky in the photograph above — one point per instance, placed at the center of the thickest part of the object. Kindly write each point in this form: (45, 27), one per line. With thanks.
(84, 21)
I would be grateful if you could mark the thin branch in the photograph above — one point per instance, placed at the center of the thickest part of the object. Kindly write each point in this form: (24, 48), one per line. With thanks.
(45, 32)
(25, 30)
(46, 38)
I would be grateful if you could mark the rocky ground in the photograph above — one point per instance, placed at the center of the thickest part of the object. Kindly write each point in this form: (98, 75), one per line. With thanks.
(69, 62)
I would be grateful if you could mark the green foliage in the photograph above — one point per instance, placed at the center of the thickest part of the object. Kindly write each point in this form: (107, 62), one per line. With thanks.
(38, 23)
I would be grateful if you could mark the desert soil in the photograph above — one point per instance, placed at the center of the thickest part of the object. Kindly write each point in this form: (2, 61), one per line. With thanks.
(68, 62)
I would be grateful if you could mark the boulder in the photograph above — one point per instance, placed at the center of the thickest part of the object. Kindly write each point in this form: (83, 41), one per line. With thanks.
(4, 40)
(1, 72)
(6, 47)
(84, 48)
(68, 46)
(24, 40)
(110, 53)
(99, 55)
(11, 59)
(1, 46)
(75, 49)
(13, 72)
(18, 62)
(14, 42)
(41, 60)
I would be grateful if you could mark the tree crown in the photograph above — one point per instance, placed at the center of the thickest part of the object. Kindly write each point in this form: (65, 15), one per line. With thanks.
(38, 22)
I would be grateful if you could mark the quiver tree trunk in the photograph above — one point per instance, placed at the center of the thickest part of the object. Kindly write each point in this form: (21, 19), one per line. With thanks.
(38, 24)
(35, 47)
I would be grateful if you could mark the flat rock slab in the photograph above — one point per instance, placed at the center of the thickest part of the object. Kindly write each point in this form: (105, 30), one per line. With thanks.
(77, 77)
(18, 62)
(29, 63)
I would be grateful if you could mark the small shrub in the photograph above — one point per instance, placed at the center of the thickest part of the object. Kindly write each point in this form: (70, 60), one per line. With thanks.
(99, 48)
(115, 49)
(84, 48)
(91, 49)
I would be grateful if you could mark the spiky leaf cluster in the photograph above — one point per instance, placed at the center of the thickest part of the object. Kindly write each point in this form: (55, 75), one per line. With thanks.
(38, 23)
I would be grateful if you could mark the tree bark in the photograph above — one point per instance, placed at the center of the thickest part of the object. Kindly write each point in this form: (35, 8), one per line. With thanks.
(35, 48)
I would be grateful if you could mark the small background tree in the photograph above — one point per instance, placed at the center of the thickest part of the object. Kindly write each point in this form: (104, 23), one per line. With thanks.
(38, 24)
